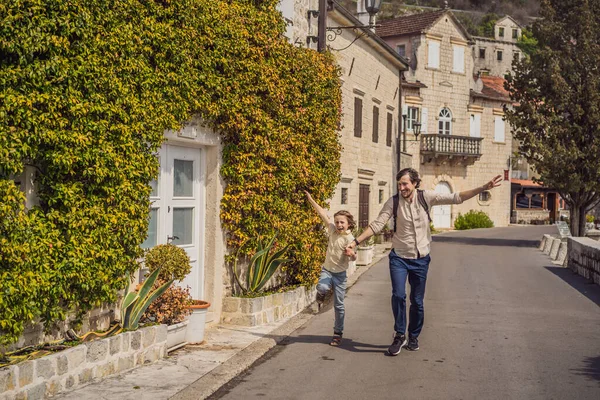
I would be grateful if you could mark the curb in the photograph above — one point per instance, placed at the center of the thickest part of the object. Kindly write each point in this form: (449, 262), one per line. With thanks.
(214, 380)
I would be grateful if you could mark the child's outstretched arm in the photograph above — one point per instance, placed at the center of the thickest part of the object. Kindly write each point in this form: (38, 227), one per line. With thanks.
(322, 213)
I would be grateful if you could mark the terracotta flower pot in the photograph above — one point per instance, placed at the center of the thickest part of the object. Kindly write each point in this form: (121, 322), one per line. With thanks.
(195, 331)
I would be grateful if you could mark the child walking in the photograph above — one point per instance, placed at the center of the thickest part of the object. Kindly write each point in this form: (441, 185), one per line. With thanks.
(333, 275)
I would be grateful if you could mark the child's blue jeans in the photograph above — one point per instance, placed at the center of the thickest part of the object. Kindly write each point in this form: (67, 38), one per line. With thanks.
(336, 281)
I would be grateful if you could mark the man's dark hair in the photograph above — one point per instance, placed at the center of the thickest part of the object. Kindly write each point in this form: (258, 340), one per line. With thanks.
(413, 175)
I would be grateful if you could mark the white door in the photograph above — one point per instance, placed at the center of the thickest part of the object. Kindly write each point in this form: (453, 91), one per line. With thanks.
(177, 210)
(442, 214)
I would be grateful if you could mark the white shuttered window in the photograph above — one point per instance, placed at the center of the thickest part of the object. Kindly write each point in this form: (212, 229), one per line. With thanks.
(475, 120)
(498, 129)
(459, 58)
(433, 55)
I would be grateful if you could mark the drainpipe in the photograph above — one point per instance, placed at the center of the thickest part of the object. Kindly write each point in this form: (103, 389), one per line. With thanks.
(400, 121)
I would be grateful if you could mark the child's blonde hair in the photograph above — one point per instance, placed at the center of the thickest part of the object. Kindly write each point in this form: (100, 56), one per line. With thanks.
(349, 217)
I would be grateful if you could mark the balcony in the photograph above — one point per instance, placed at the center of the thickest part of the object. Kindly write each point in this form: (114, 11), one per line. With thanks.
(444, 149)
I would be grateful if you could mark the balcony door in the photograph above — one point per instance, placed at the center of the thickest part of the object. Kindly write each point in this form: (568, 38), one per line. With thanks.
(442, 214)
(177, 209)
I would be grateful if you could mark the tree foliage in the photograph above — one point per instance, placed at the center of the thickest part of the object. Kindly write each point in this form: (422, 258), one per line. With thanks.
(557, 113)
(88, 89)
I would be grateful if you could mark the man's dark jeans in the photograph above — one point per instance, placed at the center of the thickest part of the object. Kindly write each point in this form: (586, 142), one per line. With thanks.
(416, 271)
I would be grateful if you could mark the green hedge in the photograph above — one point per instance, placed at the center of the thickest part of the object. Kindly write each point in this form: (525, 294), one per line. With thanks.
(473, 220)
(88, 89)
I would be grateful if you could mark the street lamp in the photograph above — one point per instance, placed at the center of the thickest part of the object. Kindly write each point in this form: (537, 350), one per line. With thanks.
(416, 128)
(371, 6)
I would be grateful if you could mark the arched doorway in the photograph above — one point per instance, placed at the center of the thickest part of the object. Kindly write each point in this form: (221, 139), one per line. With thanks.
(442, 217)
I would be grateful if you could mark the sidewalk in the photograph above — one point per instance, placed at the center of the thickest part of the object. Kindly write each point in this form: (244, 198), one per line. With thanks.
(196, 372)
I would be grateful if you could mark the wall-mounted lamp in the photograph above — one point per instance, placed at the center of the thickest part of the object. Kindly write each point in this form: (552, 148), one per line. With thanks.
(417, 129)
(371, 6)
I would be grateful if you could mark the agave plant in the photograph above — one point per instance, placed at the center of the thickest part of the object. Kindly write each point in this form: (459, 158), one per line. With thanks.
(261, 267)
(135, 303)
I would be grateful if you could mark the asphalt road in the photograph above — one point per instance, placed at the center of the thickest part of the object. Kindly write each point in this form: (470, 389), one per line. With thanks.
(501, 322)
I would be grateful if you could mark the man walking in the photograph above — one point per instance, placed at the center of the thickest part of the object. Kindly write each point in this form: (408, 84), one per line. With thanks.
(409, 257)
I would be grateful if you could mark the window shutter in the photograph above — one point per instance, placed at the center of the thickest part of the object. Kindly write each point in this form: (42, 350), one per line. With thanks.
(388, 136)
(375, 124)
(459, 59)
(433, 56)
(357, 117)
(498, 129)
(475, 125)
(286, 7)
(423, 120)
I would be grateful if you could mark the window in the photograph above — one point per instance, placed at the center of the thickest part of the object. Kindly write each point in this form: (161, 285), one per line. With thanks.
(485, 196)
(499, 55)
(498, 129)
(445, 122)
(375, 124)
(286, 7)
(380, 196)
(401, 49)
(412, 117)
(537, 201)
(433, 54)
(458, 64)
(482, 52)
(475, 125)
(522, 201)
(357, 117)
(517, 55)
(388, 134)
(515, 33)
(501, 32)
(344, 196)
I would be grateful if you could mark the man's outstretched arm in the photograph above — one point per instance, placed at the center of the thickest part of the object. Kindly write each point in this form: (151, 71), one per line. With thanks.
(467, 194)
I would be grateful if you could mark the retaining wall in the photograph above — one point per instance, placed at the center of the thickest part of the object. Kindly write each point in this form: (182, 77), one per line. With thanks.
(82, 364)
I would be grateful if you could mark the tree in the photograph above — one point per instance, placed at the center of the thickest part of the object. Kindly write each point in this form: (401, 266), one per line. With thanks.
(527, 43)
(557, 95)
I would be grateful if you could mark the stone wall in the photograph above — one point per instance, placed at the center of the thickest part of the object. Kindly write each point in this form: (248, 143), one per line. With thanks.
(525, 216)
(262, 310)
(584, 258)
(82, 364)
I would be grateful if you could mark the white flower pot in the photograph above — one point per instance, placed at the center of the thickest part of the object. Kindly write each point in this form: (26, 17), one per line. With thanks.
(364, 255)
(176, 335)
(195, 331)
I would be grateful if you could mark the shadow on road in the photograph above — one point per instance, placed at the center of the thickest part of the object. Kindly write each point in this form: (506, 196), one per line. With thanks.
(347, 343)
(579, 283)
(486, 242)
(591, 368)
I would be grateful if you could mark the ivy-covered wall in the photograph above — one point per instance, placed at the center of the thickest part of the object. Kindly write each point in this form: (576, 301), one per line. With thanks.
(87, 89)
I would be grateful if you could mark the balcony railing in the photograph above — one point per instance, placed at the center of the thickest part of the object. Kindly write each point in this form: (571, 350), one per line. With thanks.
(450, 147)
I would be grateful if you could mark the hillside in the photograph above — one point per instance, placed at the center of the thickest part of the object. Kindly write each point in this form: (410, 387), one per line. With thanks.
(477, 16)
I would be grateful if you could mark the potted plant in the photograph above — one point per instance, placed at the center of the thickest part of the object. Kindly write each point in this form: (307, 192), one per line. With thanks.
(197, 321)
(365, 250)
(173, 307)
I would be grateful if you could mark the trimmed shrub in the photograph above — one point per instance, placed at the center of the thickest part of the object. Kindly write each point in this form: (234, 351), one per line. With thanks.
(473, 220)
(173, 261)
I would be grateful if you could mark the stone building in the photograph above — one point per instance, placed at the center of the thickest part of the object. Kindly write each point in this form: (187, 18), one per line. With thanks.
(464, 140)
(494, 56)
(371, 75)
